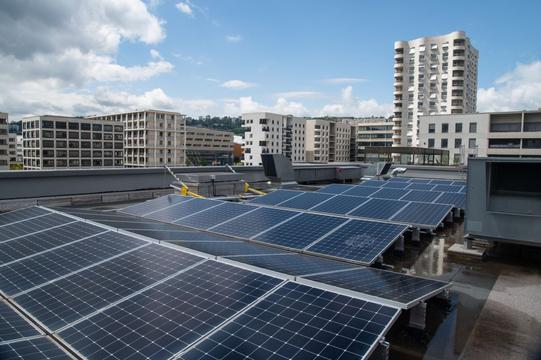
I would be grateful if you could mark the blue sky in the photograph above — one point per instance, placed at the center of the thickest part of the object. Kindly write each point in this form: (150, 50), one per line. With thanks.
(305, 57)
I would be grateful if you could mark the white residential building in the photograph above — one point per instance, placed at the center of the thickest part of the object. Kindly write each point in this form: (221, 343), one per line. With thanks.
(432, 75)
(12, 148)
(515, 134)
(71, 142)
(4, 138)
(152, 137)
(367, 132)
(269, 133)
(19, 149)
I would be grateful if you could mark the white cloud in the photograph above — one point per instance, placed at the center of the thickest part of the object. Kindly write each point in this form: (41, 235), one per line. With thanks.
(185, 8)
(237, 84)
(298, 94)
(344, 80)
(519, 89)
(155, 54)
(349, 105)
(233, 38)
(212, 80)
(247, 104)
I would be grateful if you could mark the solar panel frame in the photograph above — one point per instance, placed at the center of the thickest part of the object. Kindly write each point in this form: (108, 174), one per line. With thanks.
(459, 183)
(182, 235)
(229, 248)
(13, 326)
(215, 215)
(441, 182)
(421, 213)
(358, 241)
(387, 287)
(364, 191)
(372, 183)
(184, 309)
(458, 200)
(390, 193)
(35, 271)
(75, 296)
(47, 240)
(293, 264)
(300, 231)
(341, 204)
(152, 205)
(183, 209)
(306, 200)
(420, 180)
(13, 216)
(41, 348)
(395, 185)
(447, 188)
(31, 226)
(380, 209)
(251, 224)
(421, 186)
(399, 179)
(275, 197)
(421, 196)
(335, 188)
(299, 322)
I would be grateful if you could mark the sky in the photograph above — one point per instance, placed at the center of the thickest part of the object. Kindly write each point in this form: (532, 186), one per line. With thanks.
(199, 57)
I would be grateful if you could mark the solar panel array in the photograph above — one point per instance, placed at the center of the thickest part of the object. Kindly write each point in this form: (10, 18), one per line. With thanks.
(380, 204)
(291, 229)
(106, 295)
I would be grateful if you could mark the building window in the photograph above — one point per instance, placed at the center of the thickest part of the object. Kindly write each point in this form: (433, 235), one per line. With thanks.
(473, 127)
(472, 144)
(458, 143)
(458, 127)
(444, 143)
(431, 128)
(445, 128)
(430, 143)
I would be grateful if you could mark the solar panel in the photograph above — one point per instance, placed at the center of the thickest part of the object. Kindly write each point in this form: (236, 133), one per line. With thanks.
(424, 214)
(361, 191)
(300, 231)
(48, 239)
(359, 241)
(335, 188)
(183, 209)
(463, 190)
(32, 225)
(395, 185)
(181, 235)
(275, 197)
(69, 299)
(300, 322)
(379, 209)
(294, 264)
(421, 196)
(22, 214)
(163, 320)
(340, 204)
(154, 204)
(448, 188)
(419, 186)
(35, 349)
(213, 216)
(386, 193)
(33, 271)
(420, 181)
(458, 200)
(228, 248)
(12, 325)
(253, 223)
(399, 179)
(403, 289)
(306, 200)
(441, 182)
(372, 183)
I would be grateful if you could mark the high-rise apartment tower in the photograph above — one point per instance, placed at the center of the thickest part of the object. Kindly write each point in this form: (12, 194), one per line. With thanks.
(432, 75)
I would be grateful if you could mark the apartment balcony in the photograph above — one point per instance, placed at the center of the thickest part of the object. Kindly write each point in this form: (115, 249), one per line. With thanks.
(398, 82)
(398, 104)
(396, 136)
(396, 128)
(397, 120)
(397, 92)
(398, 65)
(459, 57)
(459, 46)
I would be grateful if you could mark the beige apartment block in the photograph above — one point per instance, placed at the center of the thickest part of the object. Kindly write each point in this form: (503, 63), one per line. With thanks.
(152, 137)
(12, 148)
(269, 133)
(208, 146)
(4, 139)
(432, 75)
(317, 140)
(52, 142)
(496, 134)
